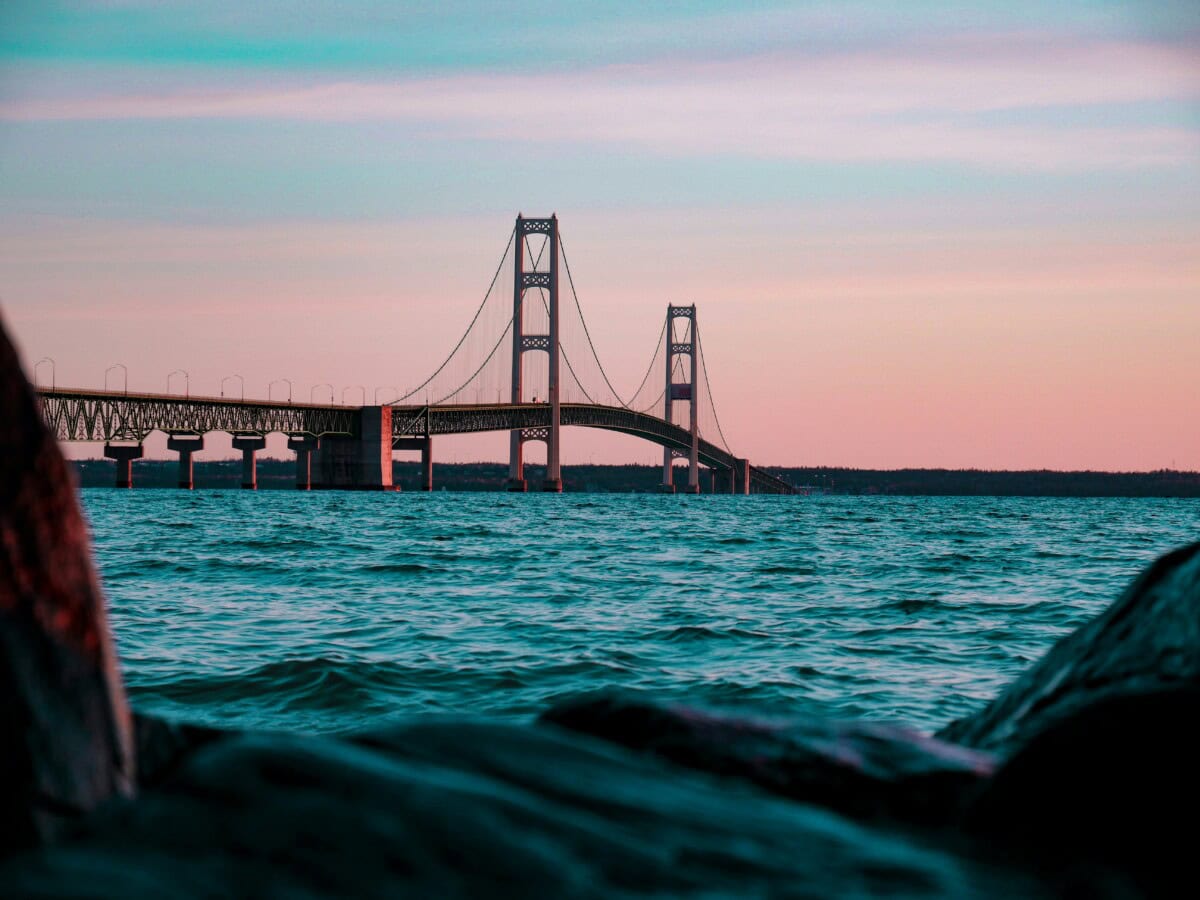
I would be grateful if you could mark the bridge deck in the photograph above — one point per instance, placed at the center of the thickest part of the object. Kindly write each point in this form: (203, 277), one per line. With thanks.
(88, 415)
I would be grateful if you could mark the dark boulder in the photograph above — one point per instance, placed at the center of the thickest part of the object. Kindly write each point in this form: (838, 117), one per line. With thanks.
(867, 770)
(1106, 792)
(65, 737)
(1147, 641)
(162, 745)
(455, 809)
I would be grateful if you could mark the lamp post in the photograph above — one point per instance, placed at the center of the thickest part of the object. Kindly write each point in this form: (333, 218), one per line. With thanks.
(387, 387)
(313, 390)
(286, 381)
(187, 382)
(44, 359)
(124, 370)
(360, 387)
(239, 378)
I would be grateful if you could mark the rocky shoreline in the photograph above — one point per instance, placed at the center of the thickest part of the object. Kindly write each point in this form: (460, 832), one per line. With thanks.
(1076, 781)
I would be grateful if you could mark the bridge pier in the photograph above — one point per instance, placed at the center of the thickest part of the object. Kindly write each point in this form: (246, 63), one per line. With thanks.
(361, 461)
(249, 444)
(304, 445)
(741, 476)
(124, 454)
(185, 445)
(425, 445)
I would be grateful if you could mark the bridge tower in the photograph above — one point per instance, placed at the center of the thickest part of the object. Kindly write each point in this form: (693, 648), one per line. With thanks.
(547, 428)
(689, 392)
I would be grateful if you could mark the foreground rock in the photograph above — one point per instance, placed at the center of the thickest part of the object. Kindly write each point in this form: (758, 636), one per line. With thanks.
(866, 770)
(1147, 641)
(65, 738)
(480, 809)
(1110, 791)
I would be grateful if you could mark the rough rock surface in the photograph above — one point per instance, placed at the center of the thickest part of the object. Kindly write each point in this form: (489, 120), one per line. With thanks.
(867, 770)
(65, 737)
(449, 808)
(1109, 789)
(1147, 641)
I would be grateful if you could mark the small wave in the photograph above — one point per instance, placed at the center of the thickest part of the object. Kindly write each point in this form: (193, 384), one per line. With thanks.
(911, 605)
(687, 633)
(399, 568)
(785, 569)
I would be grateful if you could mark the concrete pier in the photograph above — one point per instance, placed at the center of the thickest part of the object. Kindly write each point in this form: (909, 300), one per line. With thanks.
(249, 444)
(741, 476)
(361, 461)
(423, 445)
(185, 445)
(304, 445)
(124, 454)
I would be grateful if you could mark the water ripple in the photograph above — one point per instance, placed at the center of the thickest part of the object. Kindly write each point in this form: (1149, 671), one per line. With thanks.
(322, 612)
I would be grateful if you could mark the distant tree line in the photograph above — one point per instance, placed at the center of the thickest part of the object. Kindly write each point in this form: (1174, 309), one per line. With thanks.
(980, 482)
(280, 474)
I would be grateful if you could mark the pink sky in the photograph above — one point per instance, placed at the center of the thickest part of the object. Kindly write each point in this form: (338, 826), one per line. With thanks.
(972, 241)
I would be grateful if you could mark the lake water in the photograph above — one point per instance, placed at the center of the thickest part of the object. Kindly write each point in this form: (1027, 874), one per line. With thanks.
(329, 611)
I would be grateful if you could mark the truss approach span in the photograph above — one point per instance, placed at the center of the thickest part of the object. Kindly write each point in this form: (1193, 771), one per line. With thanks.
(111, 416)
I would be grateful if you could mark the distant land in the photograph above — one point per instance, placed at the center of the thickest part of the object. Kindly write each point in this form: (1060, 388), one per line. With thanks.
(280, 474)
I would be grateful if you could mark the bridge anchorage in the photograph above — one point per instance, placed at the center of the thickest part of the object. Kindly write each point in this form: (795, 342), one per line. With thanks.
(351, 447)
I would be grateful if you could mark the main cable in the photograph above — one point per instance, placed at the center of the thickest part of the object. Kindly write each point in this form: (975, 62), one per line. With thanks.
(571, 281)
(708, 390)
(474, 319)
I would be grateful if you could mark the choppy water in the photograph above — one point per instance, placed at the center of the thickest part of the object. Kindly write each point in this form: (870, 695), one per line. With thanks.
(327, 611)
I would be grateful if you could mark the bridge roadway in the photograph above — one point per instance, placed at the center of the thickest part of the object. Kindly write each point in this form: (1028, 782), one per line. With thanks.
(120, 416)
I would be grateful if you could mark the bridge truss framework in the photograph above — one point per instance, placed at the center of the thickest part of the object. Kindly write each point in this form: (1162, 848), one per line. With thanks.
(118, 418)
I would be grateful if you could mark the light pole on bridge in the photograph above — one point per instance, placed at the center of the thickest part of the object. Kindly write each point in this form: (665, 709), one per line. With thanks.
(352, 387)
(313, 391)
(286, 381)
(123, 369)
(387, 387)
(239, 378)
(187, 382)
(44, 359)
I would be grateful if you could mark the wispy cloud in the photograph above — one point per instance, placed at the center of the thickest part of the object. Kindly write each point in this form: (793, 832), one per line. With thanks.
(923, 103)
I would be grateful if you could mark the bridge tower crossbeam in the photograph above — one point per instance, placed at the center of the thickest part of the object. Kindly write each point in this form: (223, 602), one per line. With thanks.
(522, 343)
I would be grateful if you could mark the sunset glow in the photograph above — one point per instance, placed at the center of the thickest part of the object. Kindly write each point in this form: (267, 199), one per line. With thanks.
(929, 238)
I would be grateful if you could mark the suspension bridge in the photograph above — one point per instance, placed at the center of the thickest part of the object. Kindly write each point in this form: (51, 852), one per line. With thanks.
(348, 447)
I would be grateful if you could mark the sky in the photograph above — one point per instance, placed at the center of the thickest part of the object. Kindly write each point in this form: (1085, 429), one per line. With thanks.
(918, 234)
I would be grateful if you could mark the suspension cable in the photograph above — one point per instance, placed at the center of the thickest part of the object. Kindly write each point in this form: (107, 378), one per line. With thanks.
(487, 360)
(708, 391)
(588, 334)
(474, 319)
(567, 359)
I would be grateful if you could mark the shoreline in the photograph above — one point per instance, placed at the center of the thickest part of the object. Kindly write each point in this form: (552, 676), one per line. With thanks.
(277, 474)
